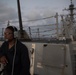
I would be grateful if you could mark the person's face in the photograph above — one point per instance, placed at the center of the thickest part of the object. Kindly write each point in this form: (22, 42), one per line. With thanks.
(8, 34)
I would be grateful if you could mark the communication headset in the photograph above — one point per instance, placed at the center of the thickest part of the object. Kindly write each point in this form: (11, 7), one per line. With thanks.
(15, 32)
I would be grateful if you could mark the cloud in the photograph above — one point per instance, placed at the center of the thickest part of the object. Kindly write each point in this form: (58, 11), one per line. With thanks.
(7, 13)
(37, 14)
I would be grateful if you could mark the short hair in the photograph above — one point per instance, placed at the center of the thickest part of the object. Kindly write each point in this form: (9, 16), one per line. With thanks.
(12, 28)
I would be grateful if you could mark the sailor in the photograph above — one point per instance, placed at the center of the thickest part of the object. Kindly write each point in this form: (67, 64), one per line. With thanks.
(14, 54)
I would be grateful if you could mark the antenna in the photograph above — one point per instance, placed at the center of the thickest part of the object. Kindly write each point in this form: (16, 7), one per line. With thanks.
(71, 9)
(22, 33)
(71, 1)
(8, 23)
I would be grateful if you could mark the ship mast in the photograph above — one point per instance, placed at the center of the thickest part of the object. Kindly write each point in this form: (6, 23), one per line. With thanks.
(71, 8)
(19, 14)
(20, 21)
(69, 21)
(22, 33)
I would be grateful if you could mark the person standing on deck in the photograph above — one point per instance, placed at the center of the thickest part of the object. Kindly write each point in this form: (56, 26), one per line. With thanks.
(14, 54)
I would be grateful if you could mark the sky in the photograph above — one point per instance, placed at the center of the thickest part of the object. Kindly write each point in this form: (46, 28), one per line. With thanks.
(31, 10)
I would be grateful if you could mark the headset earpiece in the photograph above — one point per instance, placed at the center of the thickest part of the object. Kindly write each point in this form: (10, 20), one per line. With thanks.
(15, 32)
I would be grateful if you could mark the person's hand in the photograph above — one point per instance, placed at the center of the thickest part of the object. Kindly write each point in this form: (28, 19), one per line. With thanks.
(3, 60)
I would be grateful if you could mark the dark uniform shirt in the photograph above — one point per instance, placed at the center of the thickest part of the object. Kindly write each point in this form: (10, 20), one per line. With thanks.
(21, 62)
